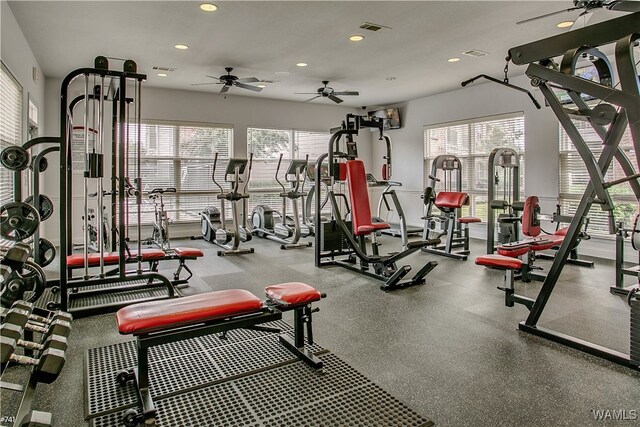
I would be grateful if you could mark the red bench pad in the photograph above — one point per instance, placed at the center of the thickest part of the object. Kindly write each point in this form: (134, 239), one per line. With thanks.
(111, 258)
(499, 261)
(451, 199)
(188, 252)
(542, 244)
(167, 314)
(292, 294)
(514, 249)
(468, 220)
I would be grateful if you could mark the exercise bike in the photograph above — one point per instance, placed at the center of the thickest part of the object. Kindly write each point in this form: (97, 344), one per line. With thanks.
(288, 229)
(213, 220)
(160, 233)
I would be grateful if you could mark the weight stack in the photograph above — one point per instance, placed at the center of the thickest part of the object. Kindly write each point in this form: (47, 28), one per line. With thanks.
(635, 330)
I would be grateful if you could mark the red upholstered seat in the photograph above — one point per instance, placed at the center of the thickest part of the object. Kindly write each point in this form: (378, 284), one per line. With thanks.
(541, 244)
(557, 239)
(561, 232)
(359, 195)
(188, 252)
(292, 294)
(451, 199)
(468, 220)
(499, 261)
(163, 314)
(514, 249)
(111, 258)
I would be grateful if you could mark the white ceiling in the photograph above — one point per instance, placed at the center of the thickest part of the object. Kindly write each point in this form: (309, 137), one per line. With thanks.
(266, 37)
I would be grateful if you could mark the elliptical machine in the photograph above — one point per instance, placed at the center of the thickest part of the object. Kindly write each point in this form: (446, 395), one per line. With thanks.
(213, 220)
(288, 230)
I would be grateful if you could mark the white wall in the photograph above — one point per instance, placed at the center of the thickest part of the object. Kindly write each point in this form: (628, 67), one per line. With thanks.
(17, 56)
(480, 100)
(178, 105)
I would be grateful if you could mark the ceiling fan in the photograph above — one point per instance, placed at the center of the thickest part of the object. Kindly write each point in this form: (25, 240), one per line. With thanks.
(227, 80)
(589, 6)
(328, 92)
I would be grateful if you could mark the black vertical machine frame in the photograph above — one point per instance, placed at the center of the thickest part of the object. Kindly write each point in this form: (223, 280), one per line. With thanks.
(118, 93)
(496, 160)
(624, 106)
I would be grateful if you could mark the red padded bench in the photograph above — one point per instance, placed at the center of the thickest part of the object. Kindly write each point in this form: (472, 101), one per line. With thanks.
(165, 321)
(151, 255)
(510, 265)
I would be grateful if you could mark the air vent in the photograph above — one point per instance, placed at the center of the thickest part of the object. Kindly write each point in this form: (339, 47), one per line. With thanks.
(163, 68)
(475, 53)
(373, 27)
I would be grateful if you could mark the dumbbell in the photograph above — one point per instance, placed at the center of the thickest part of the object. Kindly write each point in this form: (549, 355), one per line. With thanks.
(20, 318)
(48, 365)
(15, 331)
(8, 345)
(24, 308)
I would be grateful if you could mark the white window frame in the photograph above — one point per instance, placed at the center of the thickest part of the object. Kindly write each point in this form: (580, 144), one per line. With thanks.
(6, 176)
(173, 202)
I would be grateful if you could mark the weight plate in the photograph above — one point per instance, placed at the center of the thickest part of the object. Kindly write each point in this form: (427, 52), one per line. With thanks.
(18, 221)
(44, 163)
(28, 284)
(33, 271)
(47, 253)
(14, 158)
(46, 206)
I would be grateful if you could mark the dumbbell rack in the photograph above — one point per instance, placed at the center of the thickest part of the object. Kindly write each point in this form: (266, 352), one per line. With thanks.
(25, 415)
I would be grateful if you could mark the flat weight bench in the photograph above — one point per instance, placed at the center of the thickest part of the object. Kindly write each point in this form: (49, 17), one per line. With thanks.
(152, 256)
(165, 321)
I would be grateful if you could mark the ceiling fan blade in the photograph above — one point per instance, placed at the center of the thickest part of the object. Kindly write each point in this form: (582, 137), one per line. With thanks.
(305, 93)
(244, 86)
(624, 5)
(202, 84)
(347, 92)
(547, 15)
(335, 99)
(311, 99)
(582, 20)
(212, 77)
(248, 80)
(224, 89)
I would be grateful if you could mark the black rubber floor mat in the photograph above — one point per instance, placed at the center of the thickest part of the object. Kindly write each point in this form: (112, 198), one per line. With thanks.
(286, 395)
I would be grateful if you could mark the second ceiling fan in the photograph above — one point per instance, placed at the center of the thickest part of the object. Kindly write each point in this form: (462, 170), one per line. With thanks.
(228, 80)
(328, 92)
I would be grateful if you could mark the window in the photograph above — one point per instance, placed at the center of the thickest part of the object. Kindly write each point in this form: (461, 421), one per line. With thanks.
(180, 155)
(574, 179)
(266, 146)
(472, 141)
(10, 126)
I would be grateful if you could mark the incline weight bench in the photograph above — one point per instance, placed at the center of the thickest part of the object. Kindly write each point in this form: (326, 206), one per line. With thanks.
(166, 321)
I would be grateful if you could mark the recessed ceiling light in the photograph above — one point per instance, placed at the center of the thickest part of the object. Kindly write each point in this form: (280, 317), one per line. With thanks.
(208, 7)
(181, 46)
(356, 38)
(302, 64)
(262, 85)
(565, 24)
(162, 74)
(453, 59)
(390, 78)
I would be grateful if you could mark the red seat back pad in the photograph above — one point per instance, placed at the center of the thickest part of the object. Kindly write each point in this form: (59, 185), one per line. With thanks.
(451, 199)
(530, 223)
(359, 195)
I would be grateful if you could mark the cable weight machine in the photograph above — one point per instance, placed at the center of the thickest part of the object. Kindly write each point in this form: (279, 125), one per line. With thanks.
(98, 293)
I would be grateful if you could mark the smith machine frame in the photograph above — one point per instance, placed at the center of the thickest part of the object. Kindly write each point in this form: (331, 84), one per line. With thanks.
(618, 108)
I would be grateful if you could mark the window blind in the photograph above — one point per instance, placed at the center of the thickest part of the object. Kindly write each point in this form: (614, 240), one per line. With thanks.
(574, 179)
(10, 126)
(472, 141)
(181, 156)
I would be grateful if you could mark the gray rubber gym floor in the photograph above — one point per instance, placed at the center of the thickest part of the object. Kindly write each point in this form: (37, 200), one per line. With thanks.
(449, 349)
